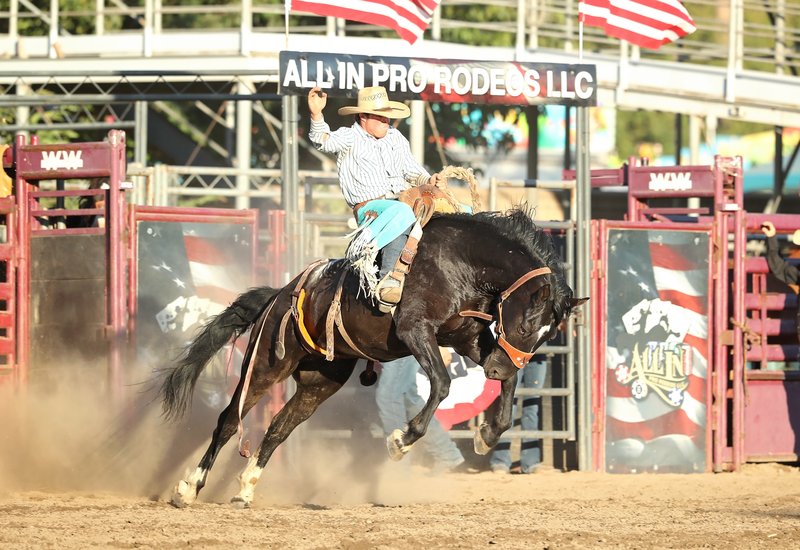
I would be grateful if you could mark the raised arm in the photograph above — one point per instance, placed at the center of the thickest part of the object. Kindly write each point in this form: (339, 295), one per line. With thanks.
(783, 270)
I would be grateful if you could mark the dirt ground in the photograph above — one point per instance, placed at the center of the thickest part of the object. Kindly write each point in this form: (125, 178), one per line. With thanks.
(71, 477)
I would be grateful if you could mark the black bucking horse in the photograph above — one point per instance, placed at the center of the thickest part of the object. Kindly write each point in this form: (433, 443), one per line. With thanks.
(489, 285)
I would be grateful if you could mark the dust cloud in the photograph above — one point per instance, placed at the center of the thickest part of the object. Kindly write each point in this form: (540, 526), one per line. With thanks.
(66, 430)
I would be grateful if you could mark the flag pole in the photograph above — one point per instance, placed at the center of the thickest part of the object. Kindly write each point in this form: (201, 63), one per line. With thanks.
(580, 32)
(287, 7)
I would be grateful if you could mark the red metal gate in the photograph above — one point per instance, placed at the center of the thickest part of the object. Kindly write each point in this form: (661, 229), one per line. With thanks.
(32, 226)
(745, 396)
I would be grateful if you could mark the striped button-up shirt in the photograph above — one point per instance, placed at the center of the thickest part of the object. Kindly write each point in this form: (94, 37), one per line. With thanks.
(369, 168)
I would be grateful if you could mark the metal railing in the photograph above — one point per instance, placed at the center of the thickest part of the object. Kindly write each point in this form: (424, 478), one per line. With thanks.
(761, 35)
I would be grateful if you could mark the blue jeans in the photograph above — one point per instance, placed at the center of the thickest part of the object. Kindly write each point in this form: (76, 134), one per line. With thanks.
(531, 375)
(399, 401)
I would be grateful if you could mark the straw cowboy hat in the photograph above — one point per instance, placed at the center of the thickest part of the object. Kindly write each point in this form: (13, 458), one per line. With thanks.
(375, 101)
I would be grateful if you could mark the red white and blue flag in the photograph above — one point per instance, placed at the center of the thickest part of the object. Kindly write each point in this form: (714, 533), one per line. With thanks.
(188, 272)
(646, 23)
(408, 18)
(657, 351)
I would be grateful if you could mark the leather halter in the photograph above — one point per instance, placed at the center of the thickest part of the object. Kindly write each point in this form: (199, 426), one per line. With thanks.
(517, 356)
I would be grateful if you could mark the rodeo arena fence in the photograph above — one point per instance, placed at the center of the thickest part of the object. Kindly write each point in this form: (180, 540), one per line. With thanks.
(690, 370)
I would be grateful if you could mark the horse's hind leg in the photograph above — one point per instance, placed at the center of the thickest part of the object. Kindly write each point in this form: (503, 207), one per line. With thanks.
(317, 380)
(186, 490)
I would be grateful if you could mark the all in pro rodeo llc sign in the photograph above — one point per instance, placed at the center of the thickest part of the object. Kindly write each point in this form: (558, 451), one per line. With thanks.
(441, 80)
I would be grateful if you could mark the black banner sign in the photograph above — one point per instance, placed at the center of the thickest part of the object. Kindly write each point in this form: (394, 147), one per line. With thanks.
(441, 80)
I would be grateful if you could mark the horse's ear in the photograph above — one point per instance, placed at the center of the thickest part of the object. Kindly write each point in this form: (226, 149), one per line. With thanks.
(575, 302)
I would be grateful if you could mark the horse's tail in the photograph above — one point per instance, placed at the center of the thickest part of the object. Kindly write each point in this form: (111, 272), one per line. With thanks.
(179, 381)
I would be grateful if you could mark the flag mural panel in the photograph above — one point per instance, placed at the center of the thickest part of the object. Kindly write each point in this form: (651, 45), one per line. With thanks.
(657, 351)
(187, 273)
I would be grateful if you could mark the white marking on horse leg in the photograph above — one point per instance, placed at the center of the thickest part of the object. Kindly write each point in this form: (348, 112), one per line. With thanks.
(247, 483)
(480, 445)
(185, 491)
(394, 444)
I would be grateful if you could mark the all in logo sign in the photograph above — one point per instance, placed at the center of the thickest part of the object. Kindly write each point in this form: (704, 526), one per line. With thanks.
(660, 367)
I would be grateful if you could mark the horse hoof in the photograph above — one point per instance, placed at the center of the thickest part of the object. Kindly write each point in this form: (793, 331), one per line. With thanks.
(179, 495)
(394, 444)
(239, 503)
(480, 445)
(178, 501)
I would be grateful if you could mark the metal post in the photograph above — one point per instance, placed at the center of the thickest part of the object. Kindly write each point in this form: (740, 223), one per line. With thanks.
(567, 145)
(23, 271)
(115, 208)
(23, 112)
(778, 175)
(244, 139)
(436, 24)
(418, 130)
(532, 114)
(583, 286)
(532, 27)
(147, 35)
(735, 48)
(780, 37)
(519, 46)
(289, 189)
(140, 148)
(13, 25)
(246, 27)
(52, 36)
(158, 17)
(99, 17)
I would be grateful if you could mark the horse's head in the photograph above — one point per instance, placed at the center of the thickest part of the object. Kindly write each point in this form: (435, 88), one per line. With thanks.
(529, 313)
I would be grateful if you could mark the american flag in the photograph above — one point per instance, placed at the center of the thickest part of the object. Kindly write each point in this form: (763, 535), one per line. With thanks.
(646, 23)
(657, 351)
(408, 18)
(187, 272)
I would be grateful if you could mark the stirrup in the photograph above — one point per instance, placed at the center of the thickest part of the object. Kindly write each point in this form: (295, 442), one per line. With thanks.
(386, 306)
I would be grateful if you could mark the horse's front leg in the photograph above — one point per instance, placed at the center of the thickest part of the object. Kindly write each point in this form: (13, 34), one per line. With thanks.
(399, 442)
(489, 433)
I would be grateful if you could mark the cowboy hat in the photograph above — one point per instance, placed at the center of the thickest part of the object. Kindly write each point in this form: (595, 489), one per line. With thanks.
(375, 101)
(795, 237)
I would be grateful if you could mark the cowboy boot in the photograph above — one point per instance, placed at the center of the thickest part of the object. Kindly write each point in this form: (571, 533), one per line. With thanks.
(390, 288)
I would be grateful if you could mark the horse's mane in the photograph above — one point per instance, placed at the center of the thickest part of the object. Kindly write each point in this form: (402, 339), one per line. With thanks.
(517, 226)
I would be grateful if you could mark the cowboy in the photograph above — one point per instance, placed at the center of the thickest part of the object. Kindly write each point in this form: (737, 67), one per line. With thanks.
(374, 163)
(783, 270)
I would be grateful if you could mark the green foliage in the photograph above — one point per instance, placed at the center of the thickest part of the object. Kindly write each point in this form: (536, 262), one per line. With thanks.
(483, 19)
(42, 115)
(635, 128)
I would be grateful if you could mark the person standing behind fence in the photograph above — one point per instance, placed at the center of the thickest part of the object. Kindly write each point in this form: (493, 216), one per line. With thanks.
(780, 268)
(531, 376)
(399, 401)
